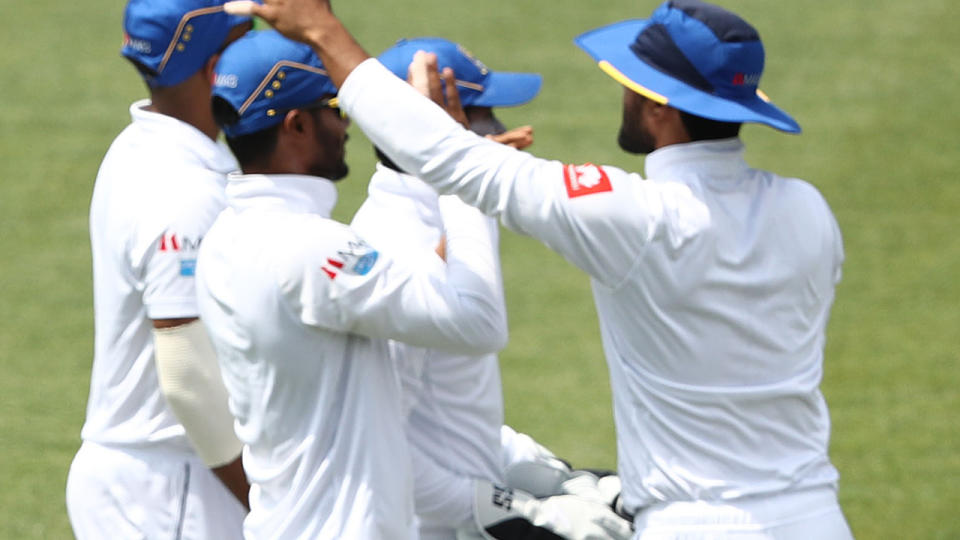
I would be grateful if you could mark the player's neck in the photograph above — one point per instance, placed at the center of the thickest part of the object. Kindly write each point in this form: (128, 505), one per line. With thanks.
(188, 102)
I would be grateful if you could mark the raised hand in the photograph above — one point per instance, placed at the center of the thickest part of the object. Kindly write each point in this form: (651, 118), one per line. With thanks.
(441, 88)
(518, 138)
(311, 22)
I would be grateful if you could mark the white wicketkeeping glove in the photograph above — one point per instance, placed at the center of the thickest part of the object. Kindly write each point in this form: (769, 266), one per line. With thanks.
(604, 490)
(538, 478)
(504, 513)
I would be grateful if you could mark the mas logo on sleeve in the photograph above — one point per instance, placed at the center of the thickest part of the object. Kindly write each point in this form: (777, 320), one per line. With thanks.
(356, 258)
(585, 179)
(182, 247)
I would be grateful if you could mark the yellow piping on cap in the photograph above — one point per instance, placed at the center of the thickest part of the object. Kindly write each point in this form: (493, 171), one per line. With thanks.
(608, 68)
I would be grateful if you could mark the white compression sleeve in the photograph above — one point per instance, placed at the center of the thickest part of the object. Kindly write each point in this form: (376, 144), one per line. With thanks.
(190, 380)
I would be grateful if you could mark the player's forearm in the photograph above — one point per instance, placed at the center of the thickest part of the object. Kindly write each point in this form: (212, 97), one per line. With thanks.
(190, 381)
(423, 140)
(473, 268)
(337, 49)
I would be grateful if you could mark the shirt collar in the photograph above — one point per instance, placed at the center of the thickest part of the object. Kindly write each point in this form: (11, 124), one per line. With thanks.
(212, 155)
(717, 159)
(289, 192)
(390, 181)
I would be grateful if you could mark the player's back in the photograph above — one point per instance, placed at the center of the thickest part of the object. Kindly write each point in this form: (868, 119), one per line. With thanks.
(716, 348)
(316, 406)
(158, 190)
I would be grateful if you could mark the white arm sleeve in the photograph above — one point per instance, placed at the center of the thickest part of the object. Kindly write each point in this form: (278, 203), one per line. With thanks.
(190, 380)
(599, 218)
(442, 498)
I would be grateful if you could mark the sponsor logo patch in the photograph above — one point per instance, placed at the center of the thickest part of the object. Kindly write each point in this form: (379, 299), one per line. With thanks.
(357, 258)
(585, 179)
(749, 79)
(226, 80)
(139, 45)
(502, 497)
(184, 248)
(188, 267)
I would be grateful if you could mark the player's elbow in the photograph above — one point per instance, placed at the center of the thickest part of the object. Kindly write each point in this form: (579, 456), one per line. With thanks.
(484, 331)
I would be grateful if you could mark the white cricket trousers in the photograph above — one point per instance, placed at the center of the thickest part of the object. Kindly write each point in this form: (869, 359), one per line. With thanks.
(125, 494)
(812, 514)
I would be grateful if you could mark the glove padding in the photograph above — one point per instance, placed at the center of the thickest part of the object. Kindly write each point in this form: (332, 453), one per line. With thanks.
(538, 478)
(504, 513)
(604, 490)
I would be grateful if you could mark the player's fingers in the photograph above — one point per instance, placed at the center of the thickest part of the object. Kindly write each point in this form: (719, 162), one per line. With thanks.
(241, 8)
(434, 84)
(519, 138)
(418, 75)
(452, 95)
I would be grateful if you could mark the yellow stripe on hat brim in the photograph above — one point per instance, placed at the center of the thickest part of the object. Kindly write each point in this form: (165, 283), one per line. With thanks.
(618, 76)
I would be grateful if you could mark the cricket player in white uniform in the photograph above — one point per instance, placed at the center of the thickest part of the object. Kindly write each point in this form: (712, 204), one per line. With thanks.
(300, 306)
(453, 403)
(713, 281)
(157, 419)
(300, 309)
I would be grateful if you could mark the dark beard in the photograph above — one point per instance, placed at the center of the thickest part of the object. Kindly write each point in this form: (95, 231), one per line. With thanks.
(338, 172)
(635, 142)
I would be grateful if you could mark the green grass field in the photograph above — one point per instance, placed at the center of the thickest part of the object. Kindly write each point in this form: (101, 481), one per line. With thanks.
(871, 81)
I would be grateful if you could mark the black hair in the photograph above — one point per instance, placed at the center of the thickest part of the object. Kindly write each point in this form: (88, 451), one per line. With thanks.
(252, 149)
(386, 161)
(704, 129)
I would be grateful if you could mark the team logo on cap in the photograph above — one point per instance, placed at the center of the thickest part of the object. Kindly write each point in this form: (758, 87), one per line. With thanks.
(476, 62)
(749, 79)
(140, 45)
(226, 80)
(585, 179)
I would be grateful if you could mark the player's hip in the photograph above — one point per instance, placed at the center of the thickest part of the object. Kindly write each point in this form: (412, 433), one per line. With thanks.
(795, 515)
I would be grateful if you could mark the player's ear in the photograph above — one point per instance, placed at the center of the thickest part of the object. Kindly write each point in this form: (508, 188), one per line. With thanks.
(209, 71)
(295, 122)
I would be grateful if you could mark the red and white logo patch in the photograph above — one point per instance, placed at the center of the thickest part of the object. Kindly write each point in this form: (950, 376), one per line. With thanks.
(585, 179)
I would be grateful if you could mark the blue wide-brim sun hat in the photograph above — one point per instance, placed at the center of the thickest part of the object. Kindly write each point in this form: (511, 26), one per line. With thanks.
(693, 56)
(477, 84)
(263, 75)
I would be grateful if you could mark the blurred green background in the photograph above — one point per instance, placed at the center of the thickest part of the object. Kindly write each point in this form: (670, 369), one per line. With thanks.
(871, 81)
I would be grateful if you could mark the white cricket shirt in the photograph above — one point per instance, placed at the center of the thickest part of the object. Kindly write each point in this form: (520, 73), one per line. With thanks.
(454, 403)
(712, 281)
(299, 308)
(158, 190)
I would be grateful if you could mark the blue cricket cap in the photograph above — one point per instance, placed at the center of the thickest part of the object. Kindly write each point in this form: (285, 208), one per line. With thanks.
(478, 85)
(694, 56)
(174, 38)
(263, 75)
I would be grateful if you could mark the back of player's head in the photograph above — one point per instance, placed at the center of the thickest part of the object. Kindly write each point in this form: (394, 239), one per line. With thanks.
(478, 85)
(170, 40)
